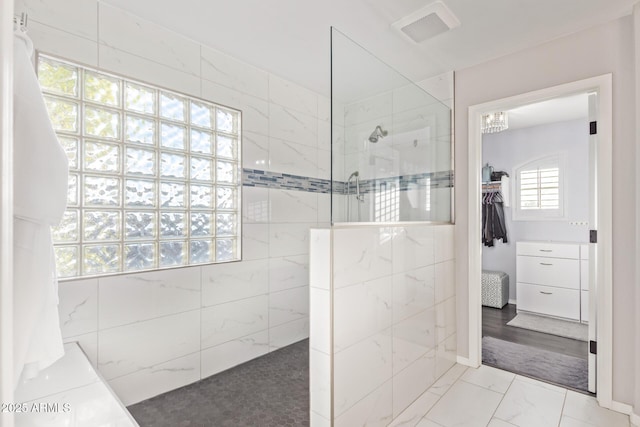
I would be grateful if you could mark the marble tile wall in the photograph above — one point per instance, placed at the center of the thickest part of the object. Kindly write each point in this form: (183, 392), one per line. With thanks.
(391, 298)
(149, 333)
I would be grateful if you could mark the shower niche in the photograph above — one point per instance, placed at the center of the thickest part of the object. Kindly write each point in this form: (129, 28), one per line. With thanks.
(391, 142)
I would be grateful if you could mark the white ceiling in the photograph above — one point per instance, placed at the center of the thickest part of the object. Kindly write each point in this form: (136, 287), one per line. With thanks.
(551, 111)
(290, 38)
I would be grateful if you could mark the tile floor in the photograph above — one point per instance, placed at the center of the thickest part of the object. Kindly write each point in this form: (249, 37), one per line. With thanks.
(270, 391)
(489, 397)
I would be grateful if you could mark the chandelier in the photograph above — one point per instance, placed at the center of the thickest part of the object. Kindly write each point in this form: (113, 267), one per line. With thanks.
(494, 122)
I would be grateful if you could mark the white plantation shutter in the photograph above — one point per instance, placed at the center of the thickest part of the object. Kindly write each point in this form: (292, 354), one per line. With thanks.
(539, 189)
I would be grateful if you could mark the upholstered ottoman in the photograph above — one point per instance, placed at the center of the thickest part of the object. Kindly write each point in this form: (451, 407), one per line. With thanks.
(495, 288)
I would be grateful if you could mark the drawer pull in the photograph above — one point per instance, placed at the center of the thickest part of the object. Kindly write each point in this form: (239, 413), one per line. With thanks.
(545, 263)
(546, 250)
(546, 293)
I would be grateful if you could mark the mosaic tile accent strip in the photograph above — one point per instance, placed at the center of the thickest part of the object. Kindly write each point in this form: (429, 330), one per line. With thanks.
(283, 181)
(442, 179)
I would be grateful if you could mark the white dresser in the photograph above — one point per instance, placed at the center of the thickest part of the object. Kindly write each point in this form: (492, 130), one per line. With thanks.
(552, 279)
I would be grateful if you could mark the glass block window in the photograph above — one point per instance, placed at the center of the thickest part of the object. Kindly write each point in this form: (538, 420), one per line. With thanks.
(154, 175)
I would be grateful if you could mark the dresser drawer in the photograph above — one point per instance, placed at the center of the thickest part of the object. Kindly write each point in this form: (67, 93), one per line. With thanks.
(551, 250)
(560, 272)
(548, 300)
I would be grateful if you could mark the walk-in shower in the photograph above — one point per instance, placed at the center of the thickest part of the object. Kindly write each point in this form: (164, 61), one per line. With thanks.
(394, 134)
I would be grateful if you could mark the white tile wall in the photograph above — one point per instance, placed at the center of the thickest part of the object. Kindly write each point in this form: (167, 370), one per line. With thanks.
(125, 32)
(234, 281)
(412, 381)
(292, 158)
(287, 239)
(137, 328)
(133, 298)
(361, 254)
(386, 313)
(291, 125)
(77, 17)
(225, 70)
(78, 307)
(231, 353)
(361, 369)
(166, 376)
(126, 349)
(289, 305)
(290, 95)
(146, 70)
(63, 44)
(225, 322)
(293, 206)
(255, 150)
(288, 272)
(374, 410)
(255, 110)
(288, 333)
(361, 310)
(320, 389)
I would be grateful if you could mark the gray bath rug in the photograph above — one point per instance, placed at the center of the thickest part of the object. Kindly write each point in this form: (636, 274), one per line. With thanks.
(561, 369)
(548, 325)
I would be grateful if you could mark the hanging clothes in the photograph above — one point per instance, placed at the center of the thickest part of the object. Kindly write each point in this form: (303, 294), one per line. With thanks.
(40, 194)
(493, 220)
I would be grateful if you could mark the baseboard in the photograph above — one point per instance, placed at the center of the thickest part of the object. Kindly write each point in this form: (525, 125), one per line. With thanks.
(621, 407)
(465, 361)
(512, 301)
(627, 410)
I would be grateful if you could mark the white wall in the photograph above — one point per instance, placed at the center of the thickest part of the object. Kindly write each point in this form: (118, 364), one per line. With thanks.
(151, 332)
(509, 149)
(600, 50)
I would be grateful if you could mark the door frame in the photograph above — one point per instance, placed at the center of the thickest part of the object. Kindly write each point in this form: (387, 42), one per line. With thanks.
(604, 295)
(6, 210)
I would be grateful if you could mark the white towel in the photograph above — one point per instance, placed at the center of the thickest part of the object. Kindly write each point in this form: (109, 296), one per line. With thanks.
(40, 194)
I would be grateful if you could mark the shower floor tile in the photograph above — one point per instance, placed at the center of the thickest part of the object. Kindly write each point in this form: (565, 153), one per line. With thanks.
(272, 390)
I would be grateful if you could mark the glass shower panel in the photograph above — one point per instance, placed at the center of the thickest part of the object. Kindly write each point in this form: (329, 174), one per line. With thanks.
(391, 142)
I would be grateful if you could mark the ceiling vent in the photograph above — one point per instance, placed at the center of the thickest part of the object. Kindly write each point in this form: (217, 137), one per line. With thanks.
(433, 19)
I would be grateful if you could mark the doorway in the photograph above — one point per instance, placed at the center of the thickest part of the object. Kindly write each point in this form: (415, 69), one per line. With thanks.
(599, 254)
(537, 207)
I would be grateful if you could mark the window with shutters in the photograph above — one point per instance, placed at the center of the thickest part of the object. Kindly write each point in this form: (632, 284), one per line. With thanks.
(540, 189)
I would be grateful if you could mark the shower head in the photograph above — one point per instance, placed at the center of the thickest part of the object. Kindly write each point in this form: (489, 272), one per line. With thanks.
(356, 174)
(377, 134)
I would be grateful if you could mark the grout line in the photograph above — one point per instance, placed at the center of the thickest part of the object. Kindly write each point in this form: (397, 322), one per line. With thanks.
(564, 402)
(493, 415)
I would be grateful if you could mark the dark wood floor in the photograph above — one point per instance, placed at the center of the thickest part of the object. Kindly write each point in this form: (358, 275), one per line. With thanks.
(494, 324)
